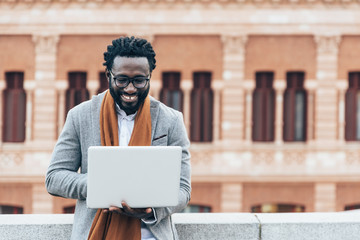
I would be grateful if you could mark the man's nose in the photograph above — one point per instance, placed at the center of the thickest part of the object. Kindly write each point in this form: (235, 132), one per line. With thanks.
(130, 88)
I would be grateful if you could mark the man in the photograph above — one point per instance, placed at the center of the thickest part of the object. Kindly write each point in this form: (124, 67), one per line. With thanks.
(123, 115)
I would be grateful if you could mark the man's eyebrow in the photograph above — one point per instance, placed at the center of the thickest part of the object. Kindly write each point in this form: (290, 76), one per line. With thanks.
(124, 75)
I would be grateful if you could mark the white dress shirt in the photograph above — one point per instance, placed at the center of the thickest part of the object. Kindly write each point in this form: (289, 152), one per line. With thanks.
(125, 128)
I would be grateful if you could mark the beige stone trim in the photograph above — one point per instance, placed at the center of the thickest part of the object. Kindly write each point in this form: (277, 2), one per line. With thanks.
(325, 197)
(2, 87)
(61, 86)
(327, 44)
(41, 200)
(186, 86)
(280, 86)
(231, 197)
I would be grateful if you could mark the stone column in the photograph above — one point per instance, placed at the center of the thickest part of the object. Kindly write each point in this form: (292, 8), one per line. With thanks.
(310, 86)
(249, 87)
(92, 86)
(41, 200)
(231, 197)
(186, 86)
(342, 86)
(155, 88)
(280, 86)
(325, 197)
(217, 87)
(233, 94)
(61, 86)
(45, 92)
(326, 94)
(29, 87)
(2, 87)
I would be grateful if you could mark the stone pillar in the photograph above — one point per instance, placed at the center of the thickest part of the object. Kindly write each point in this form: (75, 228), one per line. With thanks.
(326, 94)
(186, 86)
(61, 86)
(310, 86)
(342, 86)
(2, 87)
(280, 86)
(249, 89)
(29, 87)
(155, 88)
(41, 200)
(233, 94)
(217, 87)
(325, 197)
(231, 197)
(92, 86)
(45, 92)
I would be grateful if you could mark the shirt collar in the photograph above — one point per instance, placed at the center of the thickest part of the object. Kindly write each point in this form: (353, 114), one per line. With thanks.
(122, 114)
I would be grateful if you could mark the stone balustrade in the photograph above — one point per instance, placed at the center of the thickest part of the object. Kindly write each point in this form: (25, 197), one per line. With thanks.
(209, 226)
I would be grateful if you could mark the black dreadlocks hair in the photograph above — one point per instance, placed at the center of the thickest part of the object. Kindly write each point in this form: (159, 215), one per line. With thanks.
(129, 47)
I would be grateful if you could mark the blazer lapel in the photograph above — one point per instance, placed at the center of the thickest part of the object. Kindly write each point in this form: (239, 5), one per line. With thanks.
(154, 111)
(95, 118)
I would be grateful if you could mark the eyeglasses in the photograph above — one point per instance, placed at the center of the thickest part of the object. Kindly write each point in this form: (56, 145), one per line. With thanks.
(123, 81)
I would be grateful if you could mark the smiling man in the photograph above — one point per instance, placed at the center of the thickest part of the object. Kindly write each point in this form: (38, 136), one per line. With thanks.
(124, 115)
(124, 70)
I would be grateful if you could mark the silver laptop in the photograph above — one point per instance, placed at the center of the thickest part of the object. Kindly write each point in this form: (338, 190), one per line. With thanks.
(140, 176)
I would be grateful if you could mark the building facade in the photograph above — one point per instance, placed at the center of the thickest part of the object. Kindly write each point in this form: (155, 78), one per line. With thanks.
(269, 90)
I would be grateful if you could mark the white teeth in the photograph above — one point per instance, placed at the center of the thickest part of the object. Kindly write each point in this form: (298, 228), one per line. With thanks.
(129, 97)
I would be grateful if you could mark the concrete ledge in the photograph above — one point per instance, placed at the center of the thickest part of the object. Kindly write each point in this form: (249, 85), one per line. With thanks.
(216, 226)
(210, 226)
(36, 226)
(310, 226)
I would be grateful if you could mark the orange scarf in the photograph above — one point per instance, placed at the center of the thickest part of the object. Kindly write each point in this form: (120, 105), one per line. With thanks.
(108, 225)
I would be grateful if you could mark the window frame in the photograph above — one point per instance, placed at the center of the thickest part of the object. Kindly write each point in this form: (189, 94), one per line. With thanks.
(171, 92)
(352, 96)
(14, 108)
(77, 91)
(202, 108)
(263, 108)
(295, 86)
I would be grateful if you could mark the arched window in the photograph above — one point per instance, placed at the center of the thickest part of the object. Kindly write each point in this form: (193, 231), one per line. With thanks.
(193, 208)
(104, 84)
(352, 108)
(202, 101)
(295, 107)
(171, 94)
(77, 92)
(263, 118)
(274, 208)
(14, 108)
(6, 209)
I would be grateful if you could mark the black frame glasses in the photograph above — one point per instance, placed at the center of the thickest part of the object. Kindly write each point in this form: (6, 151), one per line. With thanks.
(122, 82)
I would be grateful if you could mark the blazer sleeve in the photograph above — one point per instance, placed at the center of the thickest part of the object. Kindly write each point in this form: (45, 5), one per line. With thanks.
(62, 177)
(178, 137)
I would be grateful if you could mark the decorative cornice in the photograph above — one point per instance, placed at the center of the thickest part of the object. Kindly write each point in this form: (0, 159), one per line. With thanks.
(257, 3)
(46, 43)
(234, 44)
(327, 44)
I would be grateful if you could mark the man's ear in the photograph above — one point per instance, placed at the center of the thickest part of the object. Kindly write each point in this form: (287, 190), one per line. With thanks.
(107, 74)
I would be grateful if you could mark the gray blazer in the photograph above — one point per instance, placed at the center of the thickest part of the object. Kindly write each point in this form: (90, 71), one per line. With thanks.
(81, 130)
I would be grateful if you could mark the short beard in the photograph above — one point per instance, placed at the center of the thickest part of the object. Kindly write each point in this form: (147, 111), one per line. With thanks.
(129, 110)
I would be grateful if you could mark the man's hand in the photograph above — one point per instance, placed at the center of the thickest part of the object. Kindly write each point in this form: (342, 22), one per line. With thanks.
(132, 212)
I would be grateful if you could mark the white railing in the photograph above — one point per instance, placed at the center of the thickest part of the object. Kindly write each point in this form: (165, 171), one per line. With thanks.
(209, 226)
